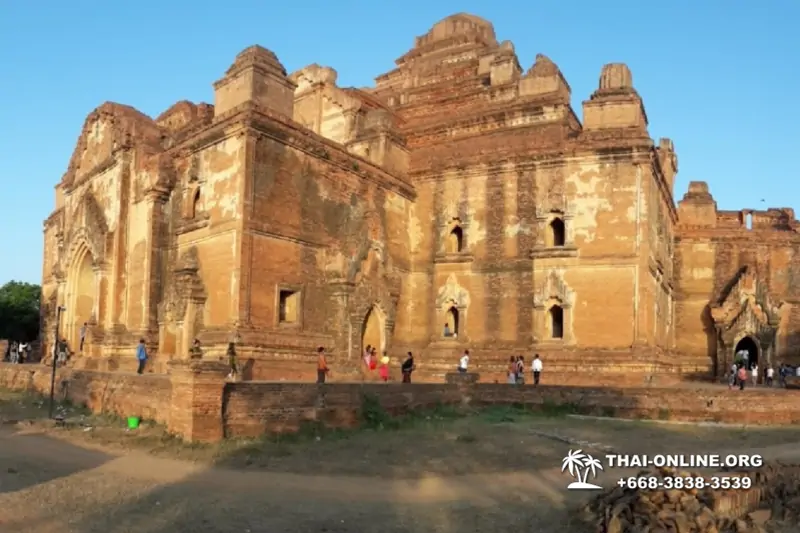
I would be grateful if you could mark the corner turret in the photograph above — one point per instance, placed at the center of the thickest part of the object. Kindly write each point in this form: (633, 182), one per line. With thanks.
(256, 76)
(698, 207)
(615, 104)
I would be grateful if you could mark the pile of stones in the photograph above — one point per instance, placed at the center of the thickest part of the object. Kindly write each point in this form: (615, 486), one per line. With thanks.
(625, 510)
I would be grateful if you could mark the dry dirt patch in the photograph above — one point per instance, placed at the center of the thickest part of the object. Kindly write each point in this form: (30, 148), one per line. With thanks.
(495, 470)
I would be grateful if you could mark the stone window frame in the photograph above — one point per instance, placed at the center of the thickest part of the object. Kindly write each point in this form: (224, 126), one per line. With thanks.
(191, 218)
(295, 289)
(544, 300)
(457, 328)
(445, 230)
(542, 248)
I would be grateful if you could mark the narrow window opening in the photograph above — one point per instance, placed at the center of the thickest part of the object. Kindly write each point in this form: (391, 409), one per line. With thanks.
(558, 232)
(451, 323)
(557, 322)
(455, 241)
(288, 306)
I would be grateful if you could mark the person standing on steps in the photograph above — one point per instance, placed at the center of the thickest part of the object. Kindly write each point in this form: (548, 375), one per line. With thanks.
(521, 370)
(536, 366)
(141, 355)
(463, 364)
(408, 367)
(83, 336)
(512, 370)
(322, 365)
(232, 361)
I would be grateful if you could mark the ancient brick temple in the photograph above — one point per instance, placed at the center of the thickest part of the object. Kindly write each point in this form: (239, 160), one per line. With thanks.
(460, 190)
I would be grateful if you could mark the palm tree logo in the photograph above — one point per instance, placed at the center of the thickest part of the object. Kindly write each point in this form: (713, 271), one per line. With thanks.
(580, 465)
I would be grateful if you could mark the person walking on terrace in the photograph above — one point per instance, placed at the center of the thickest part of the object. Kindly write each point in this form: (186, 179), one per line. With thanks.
(322, 365)
(62, 349)
(408, 367)
(384, 368)
(770, 376)
(521, 370)
(141, 356)
(742, 377)
(463, 364)
(232, 361)
(512, 370)
(83, 336)
(536, 367)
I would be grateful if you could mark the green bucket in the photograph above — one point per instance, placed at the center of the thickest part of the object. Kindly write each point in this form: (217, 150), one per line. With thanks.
(133, 422)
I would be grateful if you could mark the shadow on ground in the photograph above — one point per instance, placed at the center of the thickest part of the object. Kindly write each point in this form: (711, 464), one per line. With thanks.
(45, 459)
(492, 472)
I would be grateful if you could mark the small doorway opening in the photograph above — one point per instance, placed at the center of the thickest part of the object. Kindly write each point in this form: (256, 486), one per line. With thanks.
(557, 322)
(372, 330)
(455, 241)
(451, 325)
(558, 232)
(748, 345)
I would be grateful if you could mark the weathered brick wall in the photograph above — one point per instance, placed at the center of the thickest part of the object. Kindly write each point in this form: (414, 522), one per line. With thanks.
(146, 396)
(196, 403)
(252, 409)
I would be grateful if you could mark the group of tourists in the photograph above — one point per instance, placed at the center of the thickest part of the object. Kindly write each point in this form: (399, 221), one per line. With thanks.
(744, 371)
(371, 363)
(17, 352)
(516, 369)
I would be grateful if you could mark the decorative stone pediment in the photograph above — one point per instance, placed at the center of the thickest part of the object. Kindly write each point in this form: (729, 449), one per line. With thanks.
(89, 229)
(744, 304)
(452, 294)
(554, 288)
(187, 286)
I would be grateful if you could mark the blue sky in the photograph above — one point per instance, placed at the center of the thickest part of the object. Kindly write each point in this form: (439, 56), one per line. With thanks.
(719, 78)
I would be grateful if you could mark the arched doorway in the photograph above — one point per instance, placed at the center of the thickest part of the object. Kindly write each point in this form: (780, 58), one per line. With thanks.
(749, 345)
(372, 333)
(455, 241)
(558, 233)
(451, 324)
(82, 295)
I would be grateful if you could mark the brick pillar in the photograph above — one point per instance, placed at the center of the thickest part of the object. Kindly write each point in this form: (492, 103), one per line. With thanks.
(196, 403)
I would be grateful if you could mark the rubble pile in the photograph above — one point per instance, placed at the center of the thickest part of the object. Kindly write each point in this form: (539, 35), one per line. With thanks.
(627, 510)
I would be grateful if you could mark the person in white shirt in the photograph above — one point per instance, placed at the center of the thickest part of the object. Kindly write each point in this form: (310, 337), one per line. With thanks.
(463, 364)
(770, 376)
(536, 366)
(754, 375)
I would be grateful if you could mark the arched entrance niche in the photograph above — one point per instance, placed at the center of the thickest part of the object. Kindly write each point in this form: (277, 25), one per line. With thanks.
(750, 345)
(451, 322)
(373, 330)
(80, 296)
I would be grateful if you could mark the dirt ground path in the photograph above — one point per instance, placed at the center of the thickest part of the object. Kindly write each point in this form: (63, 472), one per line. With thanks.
(47, 485)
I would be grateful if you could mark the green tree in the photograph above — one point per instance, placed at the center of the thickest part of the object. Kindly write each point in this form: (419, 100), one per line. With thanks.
(19, 311)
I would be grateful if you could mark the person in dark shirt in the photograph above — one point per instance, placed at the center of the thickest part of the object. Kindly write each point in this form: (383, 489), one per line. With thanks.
(408, 367)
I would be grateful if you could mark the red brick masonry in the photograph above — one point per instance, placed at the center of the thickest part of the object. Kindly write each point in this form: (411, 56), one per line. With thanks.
(195, 402)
